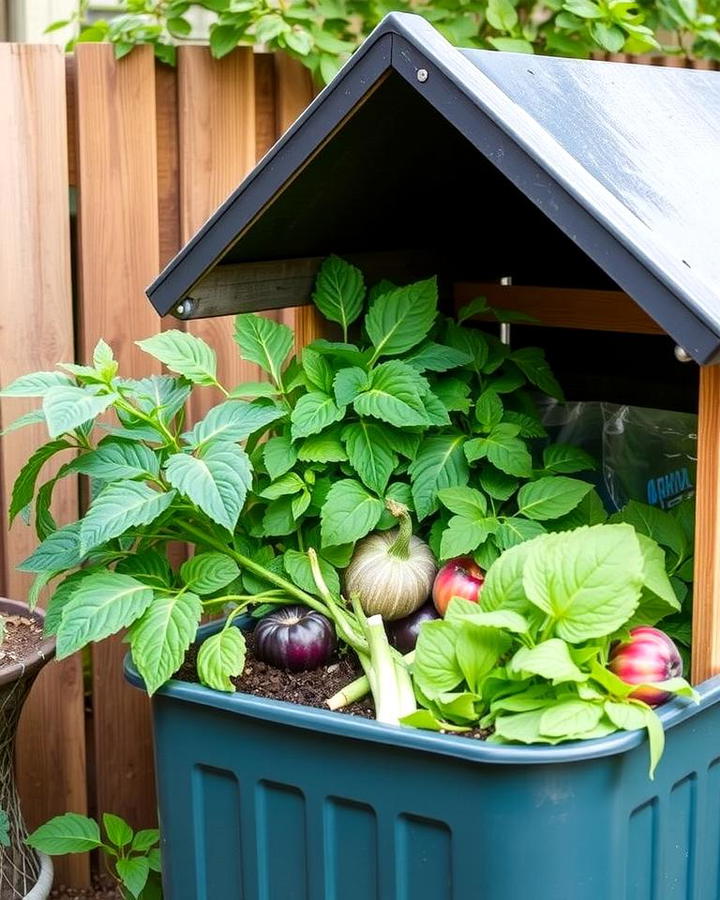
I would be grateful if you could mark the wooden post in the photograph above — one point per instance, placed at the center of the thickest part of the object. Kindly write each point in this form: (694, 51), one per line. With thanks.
(119, 256)
(706, 588)
(36, 332)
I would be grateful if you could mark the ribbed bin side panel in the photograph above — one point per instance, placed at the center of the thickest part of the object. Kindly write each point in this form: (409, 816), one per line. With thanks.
(253, 809)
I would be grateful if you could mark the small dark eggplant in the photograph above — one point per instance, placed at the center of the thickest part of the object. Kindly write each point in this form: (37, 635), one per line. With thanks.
(295, 638)
(403, 633)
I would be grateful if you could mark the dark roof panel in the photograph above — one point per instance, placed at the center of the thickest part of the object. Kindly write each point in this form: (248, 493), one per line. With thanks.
(622, 158)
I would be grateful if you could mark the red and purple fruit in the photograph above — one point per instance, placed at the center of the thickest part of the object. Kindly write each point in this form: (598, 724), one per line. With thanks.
(649, 656)
(459, 577)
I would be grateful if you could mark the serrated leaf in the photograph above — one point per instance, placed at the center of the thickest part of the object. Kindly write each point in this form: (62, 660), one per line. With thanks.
(432, 357)
(289, 483)
(464, 501)
(395, 395)
(161, 395)
(489, 409)
(217, 481)
(102, 604)
(35, 385)
(454, 394)
(118, 831)
(563, 458)
(183, 353)
(529, 426)
(161, 637)
(145, 839)
(339, 292)
(497, 484)
(118, 507)
(60, 550)
(221, 657)
(297, 566)
(24, 487)
(532, 363)
(440, 463)
(150, 566)
(589, 580)
(318, 373)
(515, 530)
(312, 413)
(66, 408)
(323, 448)
(551, 497)
(279, 456)
(264, 342)
(465, 535)
(348, 383)
(117, 459)
(33, 417)
(349, 513)
(233, 420)
(133, 871)
(401, 318)
(279, 518)
(254, 389)
(208, 572)
(655, 523)
(369, 454)
(504, 449)
(69, 833)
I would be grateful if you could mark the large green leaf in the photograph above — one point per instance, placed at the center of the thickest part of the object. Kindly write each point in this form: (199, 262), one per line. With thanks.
(339, 291)
(149, 566)
(233, 420)
(133, 871)
(183, 353)
(464, 501)
(478, 650)
(432, 357)
(349, 513)
(33, 417)
(551, 497)
(206, 573)
(60, 550)
(36, 384)
(655, 523)
(401, 318)
(279, 456)
(436, 668)
(658, 597)
(440, 463)
(66, 408)
(550, 659)
(395, 395)
(589, 580)
(318, 373)
(289, 483)
(369, 454)
(313, 412)
(161, 395)
(102, 604)
(24, 487)
(217, 480)
(515, 530)
(118, 507)
(69, 833)
(221, 657)
(566, 459)
(349, 383)
(465, 535)
(162, 635)
(264, 342)
(532, 363)
(323, 448)
(116, 459)
(504, 588)
(571, 716)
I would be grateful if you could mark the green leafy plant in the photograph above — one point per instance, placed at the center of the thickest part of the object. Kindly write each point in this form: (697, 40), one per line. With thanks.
(531, 664)
(132, 858)
(323, 33)
(421, 410)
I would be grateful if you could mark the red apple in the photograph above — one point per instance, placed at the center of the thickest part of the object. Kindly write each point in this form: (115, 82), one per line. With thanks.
(459, 577)
(649, 656)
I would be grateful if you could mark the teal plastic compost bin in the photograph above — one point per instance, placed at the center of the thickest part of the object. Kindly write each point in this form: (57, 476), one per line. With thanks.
(264, 800)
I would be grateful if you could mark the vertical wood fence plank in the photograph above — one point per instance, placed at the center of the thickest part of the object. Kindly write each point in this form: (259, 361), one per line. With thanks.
(293, 93)
(168, 162)
(36, 332)
(216, 100)
(706, 590)
(119, 256)
(265, 114)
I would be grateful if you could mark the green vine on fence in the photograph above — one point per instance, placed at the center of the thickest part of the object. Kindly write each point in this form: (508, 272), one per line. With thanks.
(324, 33)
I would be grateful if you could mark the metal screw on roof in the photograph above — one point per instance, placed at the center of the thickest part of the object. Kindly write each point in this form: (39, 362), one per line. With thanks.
(681, 354)
(422, 75)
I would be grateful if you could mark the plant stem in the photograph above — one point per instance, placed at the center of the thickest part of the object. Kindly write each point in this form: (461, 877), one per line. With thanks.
(400, 547)
(359, 688)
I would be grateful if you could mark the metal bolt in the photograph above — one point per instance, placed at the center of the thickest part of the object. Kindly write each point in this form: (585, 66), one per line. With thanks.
(681, 354)
(422, 75)
(184, 308)
(505, 281)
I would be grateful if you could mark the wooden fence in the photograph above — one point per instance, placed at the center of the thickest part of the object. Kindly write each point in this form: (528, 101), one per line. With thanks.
(107, 168)
(143, 154)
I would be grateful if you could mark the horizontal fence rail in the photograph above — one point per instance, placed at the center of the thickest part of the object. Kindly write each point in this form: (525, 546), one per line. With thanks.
(107, 168)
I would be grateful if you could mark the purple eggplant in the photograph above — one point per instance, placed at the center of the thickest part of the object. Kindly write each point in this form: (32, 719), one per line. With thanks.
(295, 638)
(403, 633)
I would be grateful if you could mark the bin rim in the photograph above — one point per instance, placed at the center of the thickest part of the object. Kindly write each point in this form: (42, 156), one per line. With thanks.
(282, 712)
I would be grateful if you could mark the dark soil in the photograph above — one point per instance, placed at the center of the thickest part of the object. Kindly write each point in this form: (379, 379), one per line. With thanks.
(305, 688)
(22, 634)
(103, 889)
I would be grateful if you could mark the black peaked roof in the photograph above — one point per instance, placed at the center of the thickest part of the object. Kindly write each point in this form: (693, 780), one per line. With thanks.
(623, 159)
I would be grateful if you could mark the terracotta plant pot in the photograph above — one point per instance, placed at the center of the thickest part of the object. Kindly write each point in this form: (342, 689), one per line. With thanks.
(23, 873)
